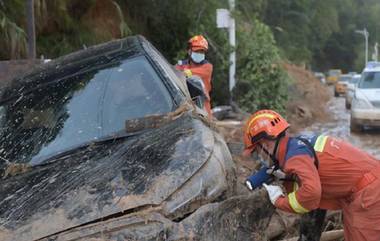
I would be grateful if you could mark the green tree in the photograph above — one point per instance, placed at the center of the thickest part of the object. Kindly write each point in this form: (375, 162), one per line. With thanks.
(62, 26)
(12, 35)
(262, 83)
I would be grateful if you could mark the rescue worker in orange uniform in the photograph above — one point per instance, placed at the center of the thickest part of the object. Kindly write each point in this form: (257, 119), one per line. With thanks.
(318, 172)
(196, 64)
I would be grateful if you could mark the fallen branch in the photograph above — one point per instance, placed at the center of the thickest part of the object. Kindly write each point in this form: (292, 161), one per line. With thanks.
(326, 236)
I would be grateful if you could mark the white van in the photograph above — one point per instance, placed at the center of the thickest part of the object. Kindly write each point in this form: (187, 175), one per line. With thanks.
(366, 101)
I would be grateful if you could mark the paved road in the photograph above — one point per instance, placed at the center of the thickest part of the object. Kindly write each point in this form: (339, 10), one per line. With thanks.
(368, 140)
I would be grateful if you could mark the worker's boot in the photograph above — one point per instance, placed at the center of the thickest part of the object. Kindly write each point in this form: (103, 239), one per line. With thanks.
(311, 225)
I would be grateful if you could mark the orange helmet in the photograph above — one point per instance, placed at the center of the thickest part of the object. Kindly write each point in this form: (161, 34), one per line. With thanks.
(266, 124)
(198, 42)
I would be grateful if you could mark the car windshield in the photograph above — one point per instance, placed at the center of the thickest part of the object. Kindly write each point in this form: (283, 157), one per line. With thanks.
(345, 78)
(354, 80)
(82, 108)
(370, 80)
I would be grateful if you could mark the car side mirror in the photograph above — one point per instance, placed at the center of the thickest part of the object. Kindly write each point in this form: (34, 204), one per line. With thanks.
(198, 101)
(197, 90)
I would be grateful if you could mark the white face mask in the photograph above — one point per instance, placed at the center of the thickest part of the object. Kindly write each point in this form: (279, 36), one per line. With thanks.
(197, 57)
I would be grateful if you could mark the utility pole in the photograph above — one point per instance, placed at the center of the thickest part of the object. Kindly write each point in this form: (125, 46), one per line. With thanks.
(232, 38)
(375, 55)
(365, 33)
(30, 29)
(224, 19)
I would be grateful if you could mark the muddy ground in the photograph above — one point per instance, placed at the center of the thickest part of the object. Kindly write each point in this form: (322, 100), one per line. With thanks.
(339, 126)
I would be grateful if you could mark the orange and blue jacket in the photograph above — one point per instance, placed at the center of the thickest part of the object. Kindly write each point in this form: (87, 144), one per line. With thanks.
(203, 70)
(341, 167)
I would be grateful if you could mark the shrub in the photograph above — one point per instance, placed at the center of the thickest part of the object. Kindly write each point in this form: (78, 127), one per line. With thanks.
(261, 81)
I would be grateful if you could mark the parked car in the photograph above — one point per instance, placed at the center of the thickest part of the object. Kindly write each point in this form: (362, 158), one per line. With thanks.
(351, 89)
(106, 142)
(340, 86)
(320, 76)
(333, 76)
(366, 102)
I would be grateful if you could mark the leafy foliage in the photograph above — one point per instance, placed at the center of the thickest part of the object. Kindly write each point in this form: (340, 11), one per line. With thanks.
(62, 26)
(12, 36)
(262, 82)
(321, 33)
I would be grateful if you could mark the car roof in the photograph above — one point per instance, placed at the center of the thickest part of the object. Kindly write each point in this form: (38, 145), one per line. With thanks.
(79, 59)
(75, 63)
(373, 69)
(372, 66)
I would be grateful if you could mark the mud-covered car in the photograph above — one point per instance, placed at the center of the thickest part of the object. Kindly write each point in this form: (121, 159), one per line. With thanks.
(106, 143)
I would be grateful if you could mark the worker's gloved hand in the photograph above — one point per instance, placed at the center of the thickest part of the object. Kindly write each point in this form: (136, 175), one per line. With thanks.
(277, 173)
(274, 192)
(188, 73)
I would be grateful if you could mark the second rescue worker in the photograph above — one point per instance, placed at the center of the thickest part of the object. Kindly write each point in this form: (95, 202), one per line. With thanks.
(321, 172)
(196, 64)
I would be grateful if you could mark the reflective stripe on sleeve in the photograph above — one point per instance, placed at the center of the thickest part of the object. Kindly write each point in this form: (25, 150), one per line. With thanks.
(295, 204)
(320, 143)
(188, 72)
(295, 186)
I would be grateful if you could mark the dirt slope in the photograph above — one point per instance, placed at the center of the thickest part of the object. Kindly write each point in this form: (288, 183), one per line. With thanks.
(307, 98)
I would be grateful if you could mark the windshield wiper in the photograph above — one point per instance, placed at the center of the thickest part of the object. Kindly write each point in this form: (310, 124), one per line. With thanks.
(114, 137)
(14, 168)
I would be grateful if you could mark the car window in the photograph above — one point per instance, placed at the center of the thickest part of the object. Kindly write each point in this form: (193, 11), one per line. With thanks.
(168, 69)
(370, 80)
(134, 90)
(63, 114)
(52, 118)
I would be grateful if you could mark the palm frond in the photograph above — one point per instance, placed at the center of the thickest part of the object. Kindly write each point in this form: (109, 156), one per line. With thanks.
(13, 36)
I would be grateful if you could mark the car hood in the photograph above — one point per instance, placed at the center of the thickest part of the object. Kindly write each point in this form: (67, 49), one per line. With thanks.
(102, 180)
(370, 94)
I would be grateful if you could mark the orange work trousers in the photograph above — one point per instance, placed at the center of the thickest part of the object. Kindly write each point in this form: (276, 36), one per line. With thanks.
(361, 212)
